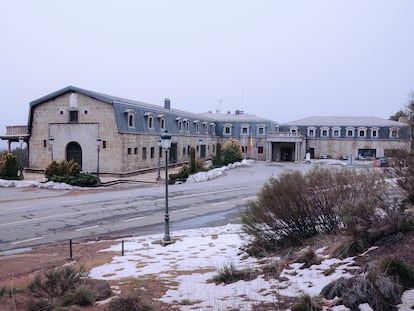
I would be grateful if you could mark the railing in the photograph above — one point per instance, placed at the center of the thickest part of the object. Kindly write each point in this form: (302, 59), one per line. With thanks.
(16, 130)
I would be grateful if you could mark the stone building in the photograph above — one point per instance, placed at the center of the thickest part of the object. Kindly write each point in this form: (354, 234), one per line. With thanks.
(341, 137)
(120, 136)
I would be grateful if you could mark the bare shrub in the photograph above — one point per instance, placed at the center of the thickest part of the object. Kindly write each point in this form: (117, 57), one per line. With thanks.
(296, 206)
(308, 257)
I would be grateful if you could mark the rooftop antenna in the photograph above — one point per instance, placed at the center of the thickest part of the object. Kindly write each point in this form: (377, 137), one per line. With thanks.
(219, 106)
(242, 100)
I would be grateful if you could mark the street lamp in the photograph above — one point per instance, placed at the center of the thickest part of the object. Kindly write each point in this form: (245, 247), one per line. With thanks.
(20, 157)
(159, 144)
(98, 143)
(51, 141)
(166, 144)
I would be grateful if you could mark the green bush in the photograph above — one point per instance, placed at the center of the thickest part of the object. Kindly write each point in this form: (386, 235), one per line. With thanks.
(69, 173)
(399, 269)
(229, 274)
(81, 296)
(8, 166)
(56, 282)
(231, 152)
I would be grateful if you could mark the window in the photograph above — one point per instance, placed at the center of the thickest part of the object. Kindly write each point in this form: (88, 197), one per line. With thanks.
(205, 128)
(180, 125)
(162, 123)
(104, 144)
(350, 132)
(85, 112)
(311, 131)
(151, 122)
(187, 126)
(213, 128)
(293, 130)
(44, 143)
(261, 130)
(73, 116)
(374, 132)
(324, 131)
(197, 126)
(336, 133)
(183, 150)
(152, 152)
(362, 131)
(129, 151)
(144, 153)
(260, 150)
(227, 129)
(131, 120)
(135, 150)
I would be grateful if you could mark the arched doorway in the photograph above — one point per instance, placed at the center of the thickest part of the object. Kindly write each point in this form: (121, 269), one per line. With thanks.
(74, 151)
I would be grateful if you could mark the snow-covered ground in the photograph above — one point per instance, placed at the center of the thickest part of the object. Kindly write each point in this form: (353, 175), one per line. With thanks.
(196, 256)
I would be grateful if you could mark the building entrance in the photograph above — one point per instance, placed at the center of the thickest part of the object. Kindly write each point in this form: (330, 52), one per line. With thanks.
(74, 152)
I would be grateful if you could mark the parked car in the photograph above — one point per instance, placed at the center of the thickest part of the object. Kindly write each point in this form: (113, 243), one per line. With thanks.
(382, 162)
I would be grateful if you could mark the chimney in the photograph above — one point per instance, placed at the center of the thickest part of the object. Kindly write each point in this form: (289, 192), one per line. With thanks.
(167, 103)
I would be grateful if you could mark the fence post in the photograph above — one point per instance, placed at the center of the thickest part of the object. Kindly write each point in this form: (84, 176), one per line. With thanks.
(70, 248)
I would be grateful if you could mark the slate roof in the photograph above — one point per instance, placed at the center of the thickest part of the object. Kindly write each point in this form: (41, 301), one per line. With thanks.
(229, 117)
(344, 121)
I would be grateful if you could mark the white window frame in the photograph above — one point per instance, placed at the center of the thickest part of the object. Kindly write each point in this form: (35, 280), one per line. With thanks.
(229, 127)
(350, 129)
(293, 130)
(261, 127)
(313, 133)
(374, 130)
(395, 130)
(363, 130)
(322, 130)
(336, 130)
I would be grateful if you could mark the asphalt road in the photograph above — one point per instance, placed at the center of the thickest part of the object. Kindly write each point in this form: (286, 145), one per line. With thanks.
(33, 216)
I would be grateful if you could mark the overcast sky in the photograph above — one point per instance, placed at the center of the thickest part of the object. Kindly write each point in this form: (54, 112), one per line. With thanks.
(282, 60)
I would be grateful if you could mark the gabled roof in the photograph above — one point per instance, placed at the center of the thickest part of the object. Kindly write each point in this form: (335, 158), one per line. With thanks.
(242, 117)
(344, 121)
(113, 100)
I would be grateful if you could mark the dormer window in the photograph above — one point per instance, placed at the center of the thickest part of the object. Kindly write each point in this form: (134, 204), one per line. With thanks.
(394, 132)
(162, 123)
(180, 125)
(131, 120)
(260, 130)
(150, 121)
(336, 131)
(197, 126)
(324, 131)
(187, 125)
(227, 129)
(244, 130)
(130, 115)
(293, 130)
(362, 131)
(213, 128)
(350, 132)
(311, 131)
(374, 132)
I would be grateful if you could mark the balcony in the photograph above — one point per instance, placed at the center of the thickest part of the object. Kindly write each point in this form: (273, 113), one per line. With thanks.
(14, 132)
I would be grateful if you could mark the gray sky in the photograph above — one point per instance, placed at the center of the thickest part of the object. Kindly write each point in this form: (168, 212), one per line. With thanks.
(282, 60)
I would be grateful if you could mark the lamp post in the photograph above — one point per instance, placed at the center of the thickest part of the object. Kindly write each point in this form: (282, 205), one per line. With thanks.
(159, 144)
(98, 144)
(51, 141)
(20, 157)
(166, 144)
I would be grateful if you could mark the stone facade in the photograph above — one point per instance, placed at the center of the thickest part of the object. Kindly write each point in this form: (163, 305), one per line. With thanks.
(69, 124)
